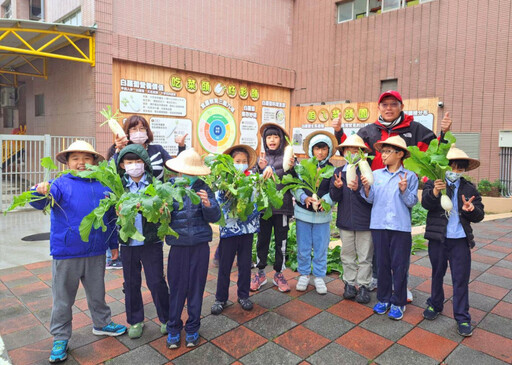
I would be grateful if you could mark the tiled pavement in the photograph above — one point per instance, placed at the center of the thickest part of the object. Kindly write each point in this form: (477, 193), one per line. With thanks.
(283, 328)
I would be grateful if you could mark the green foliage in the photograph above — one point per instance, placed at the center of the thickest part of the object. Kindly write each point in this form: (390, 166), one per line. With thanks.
(108, 114)
(419, 215)
(485, 187)
(418, 244)
(242, 192)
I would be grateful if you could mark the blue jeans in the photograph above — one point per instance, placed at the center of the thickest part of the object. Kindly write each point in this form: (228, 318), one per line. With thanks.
(312, 236)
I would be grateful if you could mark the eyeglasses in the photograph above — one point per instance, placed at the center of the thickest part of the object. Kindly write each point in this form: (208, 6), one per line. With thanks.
(388, 152)
(388, 105)
(138, 129)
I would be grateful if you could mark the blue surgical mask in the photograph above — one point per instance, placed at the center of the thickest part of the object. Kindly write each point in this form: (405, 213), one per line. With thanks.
(453, 176)
(241, 166)
(191, 178)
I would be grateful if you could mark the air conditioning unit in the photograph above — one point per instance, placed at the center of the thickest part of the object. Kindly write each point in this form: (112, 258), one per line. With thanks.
(7, 97)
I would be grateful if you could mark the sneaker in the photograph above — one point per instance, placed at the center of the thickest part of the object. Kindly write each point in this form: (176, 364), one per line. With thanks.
(218, 307)
(192, 339)
(246, 304)
(111, 329)
(373, 284)
(135, 331)
(281, 283)
(320, 285)
(363, 295)
(257, 281)
(464, 329)
(173, 342)
(59, 351)
(350, 291)
(430, 313)
(396, 312)
(163, 328)
(115, 265)
(302, 283)
(380, 308)
(409, 296)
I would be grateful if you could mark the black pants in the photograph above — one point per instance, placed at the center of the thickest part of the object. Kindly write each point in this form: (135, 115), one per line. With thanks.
(280, 224)
(228, 248)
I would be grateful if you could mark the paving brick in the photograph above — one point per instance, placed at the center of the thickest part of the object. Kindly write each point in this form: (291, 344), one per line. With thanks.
(462, 354)
(442, 326)
(480, 266)
(504, 263)
(336, 287)
(476, 314)
(428, 343)
(487, 289)
(351, 311)
(16, 276)
(302, 341)
(413, 314)
(160, 345)
(482, 302)
(294, 293)
(9, 324)
(271, 354)
(214, 326)
(297, 311)
(239, 341)
(420, 298)
(503, 309)
(491, 253)
(364, 342)
(382, 325)
(336, 354)
(500, 248)
(500, 281)
(491, 344)
(279, 325)
(421, 271)
(270, 299)
(36, 352)
(99, 351)
(484, 259)
(38, 265)
(141, 355)
(398, 354)
(320, 301)
(206, 351)
(81, 337)
(497, 324)
(25, 337)
(236, 313)
(328, 325)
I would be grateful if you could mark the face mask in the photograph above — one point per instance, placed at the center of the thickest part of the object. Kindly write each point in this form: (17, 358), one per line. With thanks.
(453, 176)
(191, 178)
(241, 166)
(134, 169)
(139, 137)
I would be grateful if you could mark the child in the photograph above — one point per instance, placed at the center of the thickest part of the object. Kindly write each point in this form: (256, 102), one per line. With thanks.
(187, 266)
(73, 259)
(135, 168)
(313, 227)
(236, 239)
(269, 163)
(451, 237)
(393, 194)
(353, 220)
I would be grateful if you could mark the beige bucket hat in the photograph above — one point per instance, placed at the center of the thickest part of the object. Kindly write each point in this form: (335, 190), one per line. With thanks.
(78, 146)
(188, 162)
(310, 136)
(395, 141)
(266, 125)
(250, 152)
(353, 141)
(455, 153)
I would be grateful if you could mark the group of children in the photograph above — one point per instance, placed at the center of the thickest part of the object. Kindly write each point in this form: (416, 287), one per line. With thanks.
(370, 217)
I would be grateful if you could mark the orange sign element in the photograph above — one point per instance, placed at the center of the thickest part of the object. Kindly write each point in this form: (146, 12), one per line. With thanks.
(349, 114)
(311, 116)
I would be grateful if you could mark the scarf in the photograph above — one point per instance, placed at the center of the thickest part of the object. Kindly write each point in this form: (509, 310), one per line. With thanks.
(391, 125)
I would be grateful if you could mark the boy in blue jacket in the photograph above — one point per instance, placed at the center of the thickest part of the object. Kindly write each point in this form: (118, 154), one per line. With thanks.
(134, 165)
(73, 259)
(236, 239)
(187, 265)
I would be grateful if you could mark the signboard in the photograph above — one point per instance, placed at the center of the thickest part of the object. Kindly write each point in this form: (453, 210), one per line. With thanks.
(165, 131)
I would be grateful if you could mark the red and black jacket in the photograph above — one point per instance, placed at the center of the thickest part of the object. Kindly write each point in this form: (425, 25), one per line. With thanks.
(414, 134)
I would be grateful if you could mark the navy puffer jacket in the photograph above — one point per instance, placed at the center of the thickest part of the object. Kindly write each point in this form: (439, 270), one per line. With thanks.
(192, 222)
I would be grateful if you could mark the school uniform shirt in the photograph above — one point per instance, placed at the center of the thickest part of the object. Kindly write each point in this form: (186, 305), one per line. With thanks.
(134, 187)
(391, 208)
(454, 228)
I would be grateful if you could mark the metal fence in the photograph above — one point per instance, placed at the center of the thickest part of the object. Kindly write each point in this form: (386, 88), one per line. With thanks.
(21, 161)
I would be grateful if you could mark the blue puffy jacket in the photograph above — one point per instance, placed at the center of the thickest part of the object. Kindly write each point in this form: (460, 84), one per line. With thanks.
(192, 222)
(74, 199)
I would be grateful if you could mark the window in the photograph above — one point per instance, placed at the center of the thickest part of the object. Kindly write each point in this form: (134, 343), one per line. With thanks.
(469, 143)
(425, 1)
(345, 11)
(7, 10)
(39, 105)
(388, 5)
(75, 18)
(391, 84)
(36, 9)
(8, 114)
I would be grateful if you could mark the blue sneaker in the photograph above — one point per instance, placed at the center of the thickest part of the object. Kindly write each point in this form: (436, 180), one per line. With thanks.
(111, 329)
(192, 339)
(59, 351)
(114, 265)
(396, 312)
(173, 342)
(381, 308)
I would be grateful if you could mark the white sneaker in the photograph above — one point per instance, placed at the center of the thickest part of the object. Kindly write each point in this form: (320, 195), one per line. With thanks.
(302, 283)
(320, 286)
(409, 296)
(373, 284)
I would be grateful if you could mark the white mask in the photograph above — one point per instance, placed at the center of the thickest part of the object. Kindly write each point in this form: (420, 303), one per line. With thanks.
(139, 137)
(135, 169)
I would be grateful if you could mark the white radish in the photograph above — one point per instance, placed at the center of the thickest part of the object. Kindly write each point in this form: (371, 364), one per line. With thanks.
(366, 171)
(446, 203)
(111, 119)
(287, 157)
(351, 173)
(316, 203)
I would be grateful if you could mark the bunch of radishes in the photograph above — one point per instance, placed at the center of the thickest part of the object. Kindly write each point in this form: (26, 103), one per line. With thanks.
(111, 120)
(361, 160)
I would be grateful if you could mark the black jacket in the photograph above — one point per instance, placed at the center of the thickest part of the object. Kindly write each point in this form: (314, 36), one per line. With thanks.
(353, 211)
(436, 218)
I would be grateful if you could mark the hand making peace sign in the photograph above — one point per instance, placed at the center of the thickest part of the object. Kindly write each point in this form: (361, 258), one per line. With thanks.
(402, 185)
(467, 205)
(337, 181)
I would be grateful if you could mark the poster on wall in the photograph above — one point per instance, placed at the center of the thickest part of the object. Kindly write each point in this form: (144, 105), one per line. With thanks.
(165, 131)
(300, 134)
(249, 127)
(216, 129)
(132, 102)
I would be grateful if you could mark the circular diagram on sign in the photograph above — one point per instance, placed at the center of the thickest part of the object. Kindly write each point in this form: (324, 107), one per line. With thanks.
(216, 129)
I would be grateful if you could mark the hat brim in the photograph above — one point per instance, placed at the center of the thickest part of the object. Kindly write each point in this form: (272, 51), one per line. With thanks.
(378, 145)
(473, 162)
(341, 146)
(61, 156)
(250, 152)
(307, 141)
(266, 125)
(177, 165)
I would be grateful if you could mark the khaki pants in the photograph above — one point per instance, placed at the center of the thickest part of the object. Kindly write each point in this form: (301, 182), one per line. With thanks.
(356, 257)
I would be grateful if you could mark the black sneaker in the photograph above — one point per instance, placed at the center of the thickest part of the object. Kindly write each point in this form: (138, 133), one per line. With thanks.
(464, 329)
(430, 313)
(363, 295)
(350, 291)
(246, 304)
(218, 307)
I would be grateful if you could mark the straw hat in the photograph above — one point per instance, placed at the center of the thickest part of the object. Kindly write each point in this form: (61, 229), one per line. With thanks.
(395, 141)
(266, 125)
(250, 152)
(188, 162)
(353, 141)
(455, 153)
(78, 146)
(307, 141)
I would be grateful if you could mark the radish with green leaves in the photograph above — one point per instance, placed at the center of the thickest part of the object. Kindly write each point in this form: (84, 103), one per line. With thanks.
(111, 120)
(288, 156)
